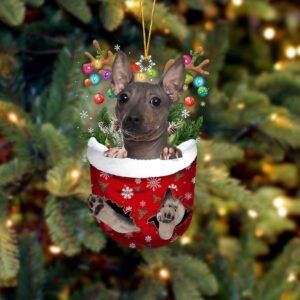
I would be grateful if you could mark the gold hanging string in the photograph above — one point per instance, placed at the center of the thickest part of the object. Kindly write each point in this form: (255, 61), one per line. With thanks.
(147, 44)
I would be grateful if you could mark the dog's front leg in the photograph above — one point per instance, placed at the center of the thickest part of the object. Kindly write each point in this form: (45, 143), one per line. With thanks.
(170, 152)
(118, 152)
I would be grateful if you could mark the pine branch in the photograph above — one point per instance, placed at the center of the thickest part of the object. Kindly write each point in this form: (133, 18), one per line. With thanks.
(196, 272)
(12, 12)
(57, 147)
(78, 8)
(149, 290)
(95, 292)
(9, 263)
(61, 220)
(217, 45)
(182, 287)
(261, 9)
(32, 274)
(61, 183)
(275, 281)
(112, 14)
(35, 3)
(186, 131)
(63, 102)
(12, 171)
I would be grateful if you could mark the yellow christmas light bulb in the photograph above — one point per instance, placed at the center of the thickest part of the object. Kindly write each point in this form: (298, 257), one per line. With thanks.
(207, 157)
(237, 2)
(252, 214)
(269, 33)
(241, 105)
(12, 118)
(273, 116)
(292, 277)
(290, 52)
(164, 274)
(222, 211)
(131, 3)
(185, 240)
(75, 173)
(282, 212)
(278, 201)
(259, 232)
(9, 223)
(279, 66)
(54, 249)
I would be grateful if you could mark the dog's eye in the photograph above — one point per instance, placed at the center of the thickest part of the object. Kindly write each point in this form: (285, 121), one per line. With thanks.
(155, 101)
(123, 98)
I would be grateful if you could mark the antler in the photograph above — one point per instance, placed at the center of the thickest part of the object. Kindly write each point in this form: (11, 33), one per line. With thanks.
(191, 67)
(104, 62)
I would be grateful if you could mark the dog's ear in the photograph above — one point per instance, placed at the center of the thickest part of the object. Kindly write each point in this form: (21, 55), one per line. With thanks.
(173, 80)
(121, 73)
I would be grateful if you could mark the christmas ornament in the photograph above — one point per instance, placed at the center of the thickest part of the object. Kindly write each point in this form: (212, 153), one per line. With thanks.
(202, 91)
(134, 68)
(88, 82)
(140, 76)
(188, 78)
(95, 79)
(136, 189)
(152, 73)
(110, 93)
(99, 98)
(198, 81)
(105, 74)
(130, 196)
(189, 101)
(87, 68)
(187, 59)
(145, 64)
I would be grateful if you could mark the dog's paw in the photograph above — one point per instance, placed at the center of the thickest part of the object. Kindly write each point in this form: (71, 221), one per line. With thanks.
(166, 215)
(96, 203)
(170, 153)
(116, 153)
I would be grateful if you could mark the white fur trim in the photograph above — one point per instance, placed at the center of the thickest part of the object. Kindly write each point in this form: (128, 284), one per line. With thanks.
(140, 168)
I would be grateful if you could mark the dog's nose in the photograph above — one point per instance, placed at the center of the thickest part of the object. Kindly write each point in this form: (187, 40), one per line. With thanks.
(134, 119)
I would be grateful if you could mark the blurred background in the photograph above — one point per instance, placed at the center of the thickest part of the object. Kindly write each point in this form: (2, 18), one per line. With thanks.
(244, 240)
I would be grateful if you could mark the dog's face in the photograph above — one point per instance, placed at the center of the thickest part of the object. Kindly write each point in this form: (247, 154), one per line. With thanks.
(142, 108)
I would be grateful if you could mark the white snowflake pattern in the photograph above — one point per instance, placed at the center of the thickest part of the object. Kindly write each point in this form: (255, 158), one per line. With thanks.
(142, 203)
(104, 175)
(153, 183)
(132, 245)
(188, 196)
(84, 114)
(91, 130)
(142, 61)
(185, 113)
(138, 180)
(173, 186)
(194, 180)
(148, 238)
(174, 238)
(128, 235)
(117, 47)
(127, 192)
(128, 208)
